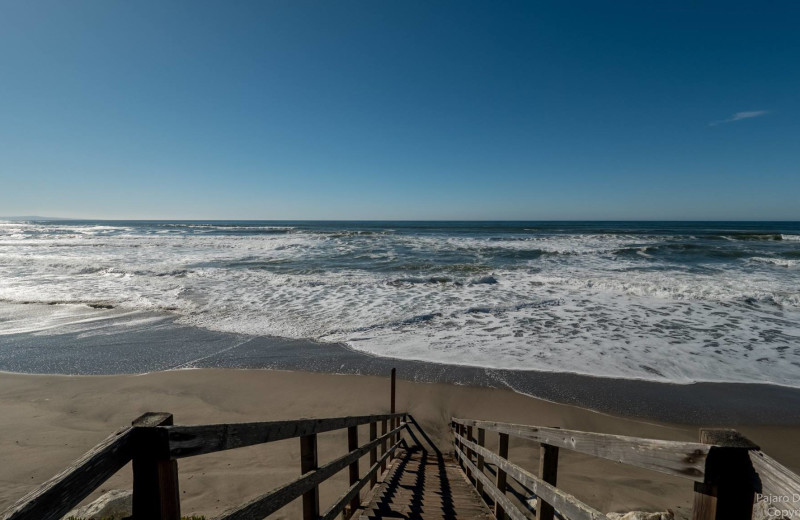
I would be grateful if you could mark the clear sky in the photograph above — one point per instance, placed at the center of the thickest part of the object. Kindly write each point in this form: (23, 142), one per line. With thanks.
(289, 109)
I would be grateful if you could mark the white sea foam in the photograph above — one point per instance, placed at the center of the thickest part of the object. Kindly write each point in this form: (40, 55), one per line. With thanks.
(603, 304)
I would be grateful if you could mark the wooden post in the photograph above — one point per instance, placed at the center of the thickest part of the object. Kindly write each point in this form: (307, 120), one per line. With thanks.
(481, 443)
(383, 445)
(155, 475)
(392, 407)
(502, 450)
(728, 491)
(469, 453)
(456, 431)
(352, 444)
(373, 453)
(460, 430)
(548, 471)
(309, 462)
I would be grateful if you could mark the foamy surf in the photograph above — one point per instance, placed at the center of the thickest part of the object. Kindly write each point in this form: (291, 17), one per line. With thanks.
(675, 303)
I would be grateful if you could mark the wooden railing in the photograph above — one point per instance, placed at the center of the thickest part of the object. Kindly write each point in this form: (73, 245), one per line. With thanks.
(154, 445)
(730, 474)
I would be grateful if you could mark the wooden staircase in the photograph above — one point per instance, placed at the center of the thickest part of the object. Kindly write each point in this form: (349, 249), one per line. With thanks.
(424, 485)
(407, 477)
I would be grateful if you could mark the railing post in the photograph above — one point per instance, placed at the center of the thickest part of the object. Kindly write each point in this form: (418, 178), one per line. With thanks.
(392, 407)
(460, 445)
(481, 443)
(352, 444)
(309, 462)
(548, 471)
(502, 451)
(383, 445)
(155, 475)
(469, 452)
(728, 489)
(373, 453)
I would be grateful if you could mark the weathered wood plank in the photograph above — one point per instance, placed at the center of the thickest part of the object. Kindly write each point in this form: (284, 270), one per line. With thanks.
(188, 441)
(57, 496)
(262, 506)
(424, 486)
(726, 438)
(352, 493)
(507, 507)
(775, 478)
(566, 504)
(682, 459)
(149, 419)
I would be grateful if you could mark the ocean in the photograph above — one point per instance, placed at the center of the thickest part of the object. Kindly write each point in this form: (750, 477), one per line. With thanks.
(675, 302)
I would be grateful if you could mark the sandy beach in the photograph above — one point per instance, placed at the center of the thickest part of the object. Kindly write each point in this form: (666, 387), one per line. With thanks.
(559, 224)
(50, 420)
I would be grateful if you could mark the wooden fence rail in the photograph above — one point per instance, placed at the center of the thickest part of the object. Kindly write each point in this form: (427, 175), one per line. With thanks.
(775, 479)
(190, 441)
(270, 502)
(154, 444)
(564, 503)
(681, 459)
(729, 471)
(57, 496)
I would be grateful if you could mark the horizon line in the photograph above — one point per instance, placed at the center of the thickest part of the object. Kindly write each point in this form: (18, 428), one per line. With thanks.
(46, 219)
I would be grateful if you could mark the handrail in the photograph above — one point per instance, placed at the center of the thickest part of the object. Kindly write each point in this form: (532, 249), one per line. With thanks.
(490, 489)
(681, 459)
(729, 471)
(54, 498)
(268, 503)
(60, 494)
(189, 441)
(352, 492)
(564, 503)
(776, 479)
(154, 444)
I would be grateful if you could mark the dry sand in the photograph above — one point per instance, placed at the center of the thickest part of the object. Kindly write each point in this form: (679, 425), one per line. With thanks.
(48, 421)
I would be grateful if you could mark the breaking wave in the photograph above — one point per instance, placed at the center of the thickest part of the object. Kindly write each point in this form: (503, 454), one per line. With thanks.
(676, 303)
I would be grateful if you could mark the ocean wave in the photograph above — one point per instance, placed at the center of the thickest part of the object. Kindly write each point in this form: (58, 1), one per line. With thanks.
(607, 303)
(782, 262)
(753, 236)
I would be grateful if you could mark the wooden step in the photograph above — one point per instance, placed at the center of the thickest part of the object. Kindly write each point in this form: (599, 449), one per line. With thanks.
(424, 485)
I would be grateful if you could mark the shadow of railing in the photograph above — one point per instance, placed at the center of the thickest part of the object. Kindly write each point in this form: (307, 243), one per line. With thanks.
(408, 492)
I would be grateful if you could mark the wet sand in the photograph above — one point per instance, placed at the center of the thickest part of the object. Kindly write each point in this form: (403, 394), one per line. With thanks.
(50, 420)
(149, 342)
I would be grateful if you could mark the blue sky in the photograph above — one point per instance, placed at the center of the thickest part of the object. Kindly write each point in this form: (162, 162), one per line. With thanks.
(400, 110)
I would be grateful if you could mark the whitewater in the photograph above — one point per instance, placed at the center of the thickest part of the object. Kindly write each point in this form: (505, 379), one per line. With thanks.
(670, 302)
